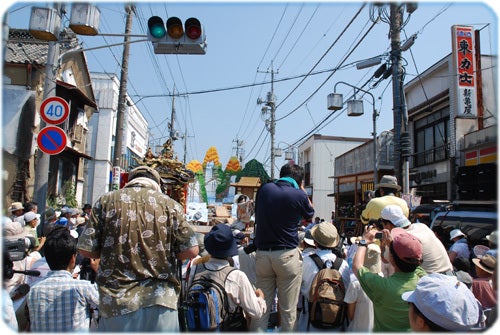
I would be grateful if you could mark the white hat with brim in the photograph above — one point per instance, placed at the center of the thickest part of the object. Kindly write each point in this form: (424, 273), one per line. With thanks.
(455, 233)
(445, 301)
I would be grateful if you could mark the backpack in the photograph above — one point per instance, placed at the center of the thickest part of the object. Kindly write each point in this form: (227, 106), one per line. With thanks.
(206, 305)
(327, 308)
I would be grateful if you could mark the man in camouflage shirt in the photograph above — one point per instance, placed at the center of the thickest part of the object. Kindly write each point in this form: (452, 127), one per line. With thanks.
(138, 233)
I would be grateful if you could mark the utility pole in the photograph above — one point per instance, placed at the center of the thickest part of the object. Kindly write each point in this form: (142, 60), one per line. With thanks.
(172, 118)
(122, 95)
(49, 90)
(270, 123)
(401, 166)
(239, 149)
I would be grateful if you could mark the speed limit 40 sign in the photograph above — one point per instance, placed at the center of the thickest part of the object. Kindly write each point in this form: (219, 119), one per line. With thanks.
(54, 110)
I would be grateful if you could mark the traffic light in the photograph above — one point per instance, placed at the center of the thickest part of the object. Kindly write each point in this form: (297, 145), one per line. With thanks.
(173, 37)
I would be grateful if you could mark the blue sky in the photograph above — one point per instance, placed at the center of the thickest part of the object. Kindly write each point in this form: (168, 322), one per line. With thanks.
(248, 40)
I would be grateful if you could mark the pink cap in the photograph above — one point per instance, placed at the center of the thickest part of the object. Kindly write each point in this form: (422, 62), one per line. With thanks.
(407, 247)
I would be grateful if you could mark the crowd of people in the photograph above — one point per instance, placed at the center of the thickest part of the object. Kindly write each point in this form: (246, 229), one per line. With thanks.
(143, 257)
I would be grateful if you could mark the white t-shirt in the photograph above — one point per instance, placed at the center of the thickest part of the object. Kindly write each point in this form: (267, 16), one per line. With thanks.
(434, 255)
(363, 314)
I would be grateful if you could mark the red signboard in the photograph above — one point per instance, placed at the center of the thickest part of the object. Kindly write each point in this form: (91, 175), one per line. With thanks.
(465, 56)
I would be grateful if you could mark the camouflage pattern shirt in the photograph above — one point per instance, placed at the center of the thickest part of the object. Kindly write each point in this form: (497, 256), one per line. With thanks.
(137, 231)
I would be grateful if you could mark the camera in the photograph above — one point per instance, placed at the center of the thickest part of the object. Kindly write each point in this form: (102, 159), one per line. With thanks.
(250, 248)
(16, 249)
(377, 223)
(379, 236)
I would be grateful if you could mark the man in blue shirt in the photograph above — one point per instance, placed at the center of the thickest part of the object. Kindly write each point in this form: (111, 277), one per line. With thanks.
(59, 303)
(280, 206)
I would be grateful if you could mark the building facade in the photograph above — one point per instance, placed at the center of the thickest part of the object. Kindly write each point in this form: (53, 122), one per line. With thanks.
(317, 155)
(450, 148)
(102, 131)
(23, 94)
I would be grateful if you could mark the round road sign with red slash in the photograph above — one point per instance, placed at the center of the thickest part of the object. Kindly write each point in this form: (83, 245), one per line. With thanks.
(52, 140)
(54, 110)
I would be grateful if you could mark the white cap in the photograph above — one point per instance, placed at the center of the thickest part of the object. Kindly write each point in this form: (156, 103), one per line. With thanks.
(394, 213)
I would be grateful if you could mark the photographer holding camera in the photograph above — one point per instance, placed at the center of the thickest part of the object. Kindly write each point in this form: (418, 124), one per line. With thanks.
(18, 245)
(434, 258)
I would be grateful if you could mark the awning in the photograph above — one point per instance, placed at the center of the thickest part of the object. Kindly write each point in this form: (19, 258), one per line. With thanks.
(15, 99)
(70, 150)
(78, 92)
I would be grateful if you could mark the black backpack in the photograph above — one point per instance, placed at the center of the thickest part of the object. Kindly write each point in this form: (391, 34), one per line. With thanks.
(205, 305)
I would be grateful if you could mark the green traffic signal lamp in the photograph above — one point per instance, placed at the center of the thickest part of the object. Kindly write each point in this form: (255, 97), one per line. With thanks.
(156, 27)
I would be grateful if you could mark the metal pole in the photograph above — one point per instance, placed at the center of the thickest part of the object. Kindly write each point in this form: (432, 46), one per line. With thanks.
(42, 162)
(375, 149)
(117, 158)
(273, 123)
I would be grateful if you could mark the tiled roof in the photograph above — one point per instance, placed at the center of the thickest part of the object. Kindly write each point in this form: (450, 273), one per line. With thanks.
(23, 48)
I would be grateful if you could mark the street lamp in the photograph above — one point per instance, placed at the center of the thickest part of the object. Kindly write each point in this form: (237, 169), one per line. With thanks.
(289, 151)
(355, 108)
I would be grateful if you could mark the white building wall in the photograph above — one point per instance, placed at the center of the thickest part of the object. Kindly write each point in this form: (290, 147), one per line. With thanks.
(322, 153)
(102, 127)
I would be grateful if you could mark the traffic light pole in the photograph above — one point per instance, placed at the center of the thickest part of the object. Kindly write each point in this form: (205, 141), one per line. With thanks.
(122, 95)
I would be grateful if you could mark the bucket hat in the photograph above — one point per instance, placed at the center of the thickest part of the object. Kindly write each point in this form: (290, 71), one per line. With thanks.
(389, 181)
(445, 301)
(455, 233)
(220, 242)
(325, 234)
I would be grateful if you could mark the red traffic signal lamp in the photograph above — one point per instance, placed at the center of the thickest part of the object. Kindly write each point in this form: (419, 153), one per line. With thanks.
(174, 38)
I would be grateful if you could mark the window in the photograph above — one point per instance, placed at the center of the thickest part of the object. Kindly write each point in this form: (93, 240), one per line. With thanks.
(431, 134)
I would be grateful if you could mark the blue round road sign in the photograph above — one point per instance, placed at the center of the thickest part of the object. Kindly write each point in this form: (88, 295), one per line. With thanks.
(52, 140)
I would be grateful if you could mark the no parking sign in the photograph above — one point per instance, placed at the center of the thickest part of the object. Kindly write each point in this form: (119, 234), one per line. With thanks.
(52, 140)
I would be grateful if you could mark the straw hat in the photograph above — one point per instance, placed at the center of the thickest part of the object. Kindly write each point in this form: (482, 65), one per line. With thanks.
(488, 263)
(389, 181)
(325, 234)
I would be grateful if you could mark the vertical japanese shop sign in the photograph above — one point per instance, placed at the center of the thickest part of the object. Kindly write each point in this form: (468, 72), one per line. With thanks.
(464, 64)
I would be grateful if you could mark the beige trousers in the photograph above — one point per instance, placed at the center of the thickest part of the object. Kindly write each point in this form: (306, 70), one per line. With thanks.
(281, 270)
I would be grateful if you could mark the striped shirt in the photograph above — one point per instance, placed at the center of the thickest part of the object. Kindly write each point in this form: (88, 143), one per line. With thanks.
(59, 303)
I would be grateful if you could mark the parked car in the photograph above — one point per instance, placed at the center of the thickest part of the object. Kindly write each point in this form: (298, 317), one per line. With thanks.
(476, 224)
